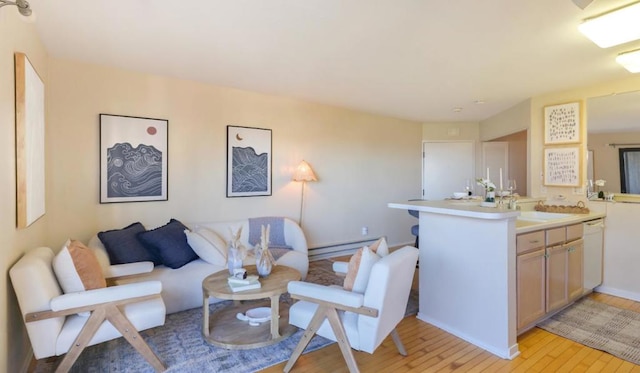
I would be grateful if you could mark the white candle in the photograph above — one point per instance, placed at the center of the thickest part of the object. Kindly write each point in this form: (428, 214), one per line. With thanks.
(488, 174)
(500, 178)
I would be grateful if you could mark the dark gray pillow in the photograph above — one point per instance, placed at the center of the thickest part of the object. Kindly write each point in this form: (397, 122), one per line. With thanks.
(123, 246)
(169, 244)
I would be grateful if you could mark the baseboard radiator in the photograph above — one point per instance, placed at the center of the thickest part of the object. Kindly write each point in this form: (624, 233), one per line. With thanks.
(340, 249)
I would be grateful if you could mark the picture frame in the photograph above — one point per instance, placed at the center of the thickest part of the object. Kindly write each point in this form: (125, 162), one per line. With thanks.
(134, 157)
(562, 166)
(249, 161)
(30, 142)
(563, 124)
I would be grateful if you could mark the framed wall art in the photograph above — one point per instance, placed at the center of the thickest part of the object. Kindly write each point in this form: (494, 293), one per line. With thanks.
(30, 159)
(133, 159)
(562, 166)
(562, 124)
(248, 161)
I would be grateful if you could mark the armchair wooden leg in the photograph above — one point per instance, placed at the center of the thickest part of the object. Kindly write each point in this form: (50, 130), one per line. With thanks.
(396, 339)
(343, 342)
(130, 333)
(90, 328)
(309, 332)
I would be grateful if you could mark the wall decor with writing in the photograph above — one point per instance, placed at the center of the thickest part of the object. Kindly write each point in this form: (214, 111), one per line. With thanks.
(562, 124)
(562, 166)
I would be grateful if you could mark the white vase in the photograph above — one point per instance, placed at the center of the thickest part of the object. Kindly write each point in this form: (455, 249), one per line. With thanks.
(490, 197)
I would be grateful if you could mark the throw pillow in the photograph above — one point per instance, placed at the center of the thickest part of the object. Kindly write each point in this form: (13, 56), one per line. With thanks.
(208, 245)
(123, 246)
(77, 268)
(169, 244)
(359, 270)
(380, 247)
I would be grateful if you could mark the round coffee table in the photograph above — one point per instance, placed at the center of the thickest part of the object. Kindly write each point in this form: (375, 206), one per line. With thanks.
(224, 330)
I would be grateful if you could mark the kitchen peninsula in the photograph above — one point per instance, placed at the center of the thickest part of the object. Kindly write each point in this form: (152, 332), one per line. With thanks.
(467, 274)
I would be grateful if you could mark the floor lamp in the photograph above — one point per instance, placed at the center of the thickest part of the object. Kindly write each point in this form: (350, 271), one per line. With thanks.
(303, 173)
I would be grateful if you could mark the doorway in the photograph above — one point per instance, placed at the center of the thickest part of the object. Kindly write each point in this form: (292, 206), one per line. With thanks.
(446, 166)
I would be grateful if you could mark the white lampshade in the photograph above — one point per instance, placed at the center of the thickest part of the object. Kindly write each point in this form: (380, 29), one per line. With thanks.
(304, 172)
(613, 28)
(630, 60)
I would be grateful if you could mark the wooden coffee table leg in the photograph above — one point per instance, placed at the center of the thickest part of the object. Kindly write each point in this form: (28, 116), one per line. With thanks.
(275, 316)
(205, 315)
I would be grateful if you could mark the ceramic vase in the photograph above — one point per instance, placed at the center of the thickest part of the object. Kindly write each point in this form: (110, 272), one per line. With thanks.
(490, 197)
(264, 261)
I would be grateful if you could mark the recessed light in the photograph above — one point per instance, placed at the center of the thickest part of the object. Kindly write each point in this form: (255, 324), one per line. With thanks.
(479, 102)
(456, 109)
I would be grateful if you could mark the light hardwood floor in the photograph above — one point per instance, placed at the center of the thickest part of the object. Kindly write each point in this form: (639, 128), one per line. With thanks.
(433, 350)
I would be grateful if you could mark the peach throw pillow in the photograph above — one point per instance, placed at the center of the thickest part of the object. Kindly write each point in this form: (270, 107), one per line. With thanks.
(359, 270)
(77, 268)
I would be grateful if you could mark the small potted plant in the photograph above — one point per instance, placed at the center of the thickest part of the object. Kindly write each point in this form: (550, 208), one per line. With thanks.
(489, 189)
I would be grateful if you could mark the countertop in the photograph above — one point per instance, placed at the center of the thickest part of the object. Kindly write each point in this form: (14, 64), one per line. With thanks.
(471, 208)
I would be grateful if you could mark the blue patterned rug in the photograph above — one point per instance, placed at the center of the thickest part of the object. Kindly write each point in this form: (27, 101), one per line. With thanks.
(180, 345)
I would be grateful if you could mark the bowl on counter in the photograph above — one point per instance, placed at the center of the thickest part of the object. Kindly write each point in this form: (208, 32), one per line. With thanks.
(460, 195)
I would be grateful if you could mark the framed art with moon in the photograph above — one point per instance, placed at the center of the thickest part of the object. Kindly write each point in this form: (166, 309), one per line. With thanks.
(133, 159)
(248, 161)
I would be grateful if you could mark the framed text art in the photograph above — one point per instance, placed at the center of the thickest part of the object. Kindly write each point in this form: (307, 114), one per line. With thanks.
(248, 161)
(133, 159)
(30, 190)
(562, 166)
(562, 124)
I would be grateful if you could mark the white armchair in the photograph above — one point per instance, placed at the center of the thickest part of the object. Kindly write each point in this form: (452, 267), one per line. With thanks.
(354, 320)
(60, 323)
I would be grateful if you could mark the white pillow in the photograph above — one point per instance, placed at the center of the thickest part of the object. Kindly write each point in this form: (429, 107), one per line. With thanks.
(380, 247)
(208, 245)
(359, 271)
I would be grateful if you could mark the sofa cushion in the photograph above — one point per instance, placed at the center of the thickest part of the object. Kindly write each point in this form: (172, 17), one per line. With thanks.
(123, 245)
(169, 243)
(77, 268)
(360, 266)
(207, 245)
(380, 247)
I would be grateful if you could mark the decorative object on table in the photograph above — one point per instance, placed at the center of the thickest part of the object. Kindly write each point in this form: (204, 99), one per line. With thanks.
(248, 161)
(255, 316)
(303, 173)
(489, 190)
(562, 166)
(236, 287)
(30, 123)
(600, 184)
(264, 259)
(133, 159)
(562, 123)
(578, 208)
(237, 252)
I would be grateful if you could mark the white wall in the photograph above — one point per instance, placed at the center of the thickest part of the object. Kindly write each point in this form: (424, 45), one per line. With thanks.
(363, 161)
(15, 36)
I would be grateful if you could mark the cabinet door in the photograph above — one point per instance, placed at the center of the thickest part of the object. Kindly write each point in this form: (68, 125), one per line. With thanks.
(530, 287)
(575, 253)
(557, 268)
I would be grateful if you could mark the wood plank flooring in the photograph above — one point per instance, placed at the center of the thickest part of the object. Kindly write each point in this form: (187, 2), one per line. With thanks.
(433, 350)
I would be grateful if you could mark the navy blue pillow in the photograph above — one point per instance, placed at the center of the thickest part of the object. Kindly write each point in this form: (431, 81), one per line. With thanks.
(169, 243)
(123, 246)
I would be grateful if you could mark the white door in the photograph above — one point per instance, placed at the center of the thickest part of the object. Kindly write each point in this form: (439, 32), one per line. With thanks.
(445, 168)
(495, 156)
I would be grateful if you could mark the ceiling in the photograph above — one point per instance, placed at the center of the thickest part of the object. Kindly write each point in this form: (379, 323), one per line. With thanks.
(415, 59)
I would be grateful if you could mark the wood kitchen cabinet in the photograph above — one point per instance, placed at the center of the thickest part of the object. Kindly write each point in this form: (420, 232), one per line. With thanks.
(549, 271)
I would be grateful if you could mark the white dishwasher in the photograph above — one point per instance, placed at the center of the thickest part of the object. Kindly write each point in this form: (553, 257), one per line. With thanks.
(593, 243)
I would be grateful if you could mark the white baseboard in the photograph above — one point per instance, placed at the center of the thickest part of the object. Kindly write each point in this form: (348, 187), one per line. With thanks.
(618, 293)
(509, 353)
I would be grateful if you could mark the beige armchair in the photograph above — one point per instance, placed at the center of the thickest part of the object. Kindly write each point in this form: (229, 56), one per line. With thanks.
(60, 323)
(355, 320)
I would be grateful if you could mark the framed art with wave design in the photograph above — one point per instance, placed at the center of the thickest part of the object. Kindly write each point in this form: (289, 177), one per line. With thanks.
(133, 159)
(248, 161)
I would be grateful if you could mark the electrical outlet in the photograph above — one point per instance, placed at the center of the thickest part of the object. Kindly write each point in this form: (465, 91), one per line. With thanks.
(365, 231)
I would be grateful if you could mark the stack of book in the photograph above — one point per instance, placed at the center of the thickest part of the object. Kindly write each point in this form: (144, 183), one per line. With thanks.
(239, 284)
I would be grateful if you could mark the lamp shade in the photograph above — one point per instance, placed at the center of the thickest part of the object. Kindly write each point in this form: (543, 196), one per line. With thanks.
(630, 60)
(613, 28)
(304, 172)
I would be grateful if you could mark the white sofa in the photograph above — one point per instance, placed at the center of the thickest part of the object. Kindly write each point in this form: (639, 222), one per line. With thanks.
(182, 287)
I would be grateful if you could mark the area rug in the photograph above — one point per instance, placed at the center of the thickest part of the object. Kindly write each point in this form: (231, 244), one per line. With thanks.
(600, 326)
(180, 345)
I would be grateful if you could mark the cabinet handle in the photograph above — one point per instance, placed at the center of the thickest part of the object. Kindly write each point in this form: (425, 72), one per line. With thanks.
(546, 255)
(534, 241)
(571, 249)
